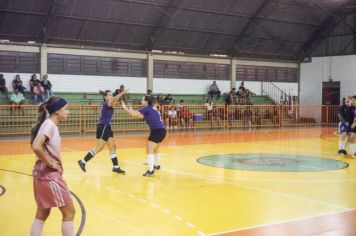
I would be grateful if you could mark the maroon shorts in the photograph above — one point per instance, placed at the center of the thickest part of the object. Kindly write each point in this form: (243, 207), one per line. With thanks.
(51, 193)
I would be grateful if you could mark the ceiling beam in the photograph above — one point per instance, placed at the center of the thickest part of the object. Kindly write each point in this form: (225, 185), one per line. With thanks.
(143, 25)
(234, 48)
(337, 14)
(167, 15)
(51, 15)
(317, 38)
(221, 13)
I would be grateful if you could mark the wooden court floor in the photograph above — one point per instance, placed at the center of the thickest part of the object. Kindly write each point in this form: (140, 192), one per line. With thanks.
(186, 197)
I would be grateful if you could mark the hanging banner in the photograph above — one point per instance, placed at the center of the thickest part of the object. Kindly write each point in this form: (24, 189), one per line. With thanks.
(331, 93)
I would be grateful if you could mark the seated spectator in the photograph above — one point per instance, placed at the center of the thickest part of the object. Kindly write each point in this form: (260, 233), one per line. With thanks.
(172, 119)
(47, 86)
(255, 117)
(167, 100)
(248, 96)
(3, 87)
(186, 117)
(125, 97)
(149, 93)
(212, 112)
(17, 100)
(214, 90)
(241, 94)
(159, 99)
(231, 97)
(36, 89)
(17, 84)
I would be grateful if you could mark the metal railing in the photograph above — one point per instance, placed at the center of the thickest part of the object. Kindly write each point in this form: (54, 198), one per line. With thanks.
(20, 119)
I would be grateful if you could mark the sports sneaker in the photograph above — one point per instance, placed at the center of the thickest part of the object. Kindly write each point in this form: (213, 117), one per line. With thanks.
(82, 165)
(118, 170)
(157, 167)
(339, 152)
(149, 173)
(344, 152)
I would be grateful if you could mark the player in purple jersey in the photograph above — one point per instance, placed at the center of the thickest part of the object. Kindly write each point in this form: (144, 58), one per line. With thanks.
(49, 187)
(104, 134)
(352, 139)
(157, 132)
(346, 116)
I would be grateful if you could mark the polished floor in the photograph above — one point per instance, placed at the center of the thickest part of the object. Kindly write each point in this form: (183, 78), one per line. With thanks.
(187, 197)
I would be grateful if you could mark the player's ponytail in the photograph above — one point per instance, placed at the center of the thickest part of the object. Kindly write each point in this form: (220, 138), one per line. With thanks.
(49, 107)
(42, 115)
(104, 93)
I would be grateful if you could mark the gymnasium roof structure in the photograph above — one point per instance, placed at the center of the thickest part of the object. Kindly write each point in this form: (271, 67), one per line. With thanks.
(268, 29)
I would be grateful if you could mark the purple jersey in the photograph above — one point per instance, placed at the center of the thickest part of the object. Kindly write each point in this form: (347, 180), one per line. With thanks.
(152, 117)
(106, 113)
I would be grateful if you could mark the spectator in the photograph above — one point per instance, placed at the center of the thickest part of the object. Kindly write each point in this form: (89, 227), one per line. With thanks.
(231, 97)
(159, 99)
(186, 117)
(241, 94)
(47, 86)
(167, 99)
(214, 90)
(125, 97)
(172, 119)
(248, 96)
(212, 112)
(17, 84)
(149, 94)
(17, 100)
(3, 87)
(36, 89)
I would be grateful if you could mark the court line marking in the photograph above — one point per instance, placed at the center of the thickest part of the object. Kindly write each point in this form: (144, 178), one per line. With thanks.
(113, 219)
(249, 187)
(282, 222)
(154, 205)
(80, 203)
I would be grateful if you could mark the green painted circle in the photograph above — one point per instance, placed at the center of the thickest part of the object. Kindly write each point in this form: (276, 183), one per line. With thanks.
(272, 162)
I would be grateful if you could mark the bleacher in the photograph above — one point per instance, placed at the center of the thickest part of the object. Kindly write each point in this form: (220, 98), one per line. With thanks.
(81, 98)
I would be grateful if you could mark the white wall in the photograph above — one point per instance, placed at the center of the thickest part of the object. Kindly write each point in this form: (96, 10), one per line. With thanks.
(25, 77)
(91, 84)
(341, 68)
(187, 86)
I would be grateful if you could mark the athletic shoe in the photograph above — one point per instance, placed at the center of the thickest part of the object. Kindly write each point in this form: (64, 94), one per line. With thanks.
(82, 165)
(157, 167)
(118, 170)
(342, 151)
(149, 173)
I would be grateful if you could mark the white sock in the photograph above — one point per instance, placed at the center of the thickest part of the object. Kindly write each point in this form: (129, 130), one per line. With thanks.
(352, 148)
(150, 161)
(158, 159)
(342, 144)
(36, 228)
(67, 228)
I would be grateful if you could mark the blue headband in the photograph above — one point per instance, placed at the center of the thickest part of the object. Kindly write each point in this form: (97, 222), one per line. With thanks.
(56, 106)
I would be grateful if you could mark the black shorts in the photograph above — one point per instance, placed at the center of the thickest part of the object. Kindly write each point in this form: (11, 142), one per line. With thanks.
(104, 132)
(157, 135)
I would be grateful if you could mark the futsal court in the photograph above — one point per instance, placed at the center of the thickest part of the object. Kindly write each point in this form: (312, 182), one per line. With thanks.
(268, 181)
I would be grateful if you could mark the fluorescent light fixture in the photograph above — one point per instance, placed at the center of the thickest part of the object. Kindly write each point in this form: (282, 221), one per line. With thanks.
(31, 41)
(218, 55)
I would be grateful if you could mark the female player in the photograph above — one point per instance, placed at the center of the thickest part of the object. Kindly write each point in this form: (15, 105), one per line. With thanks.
(50, 189)
(157, 131)
(104, 134)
